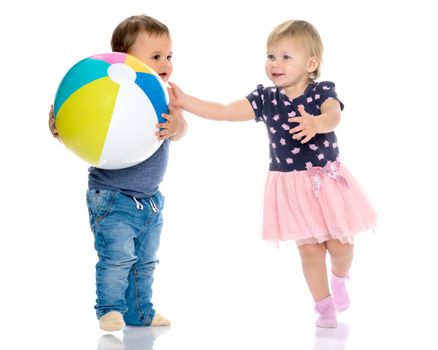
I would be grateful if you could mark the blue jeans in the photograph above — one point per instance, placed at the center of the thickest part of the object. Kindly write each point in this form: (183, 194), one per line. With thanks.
(127, 235)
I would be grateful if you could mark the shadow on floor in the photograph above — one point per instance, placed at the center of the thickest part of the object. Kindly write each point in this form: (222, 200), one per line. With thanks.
(134, 338)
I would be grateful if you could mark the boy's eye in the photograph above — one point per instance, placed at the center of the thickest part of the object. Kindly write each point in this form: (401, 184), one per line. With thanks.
(270, 57)
(286, 57)
(156, 57)
(169, 58)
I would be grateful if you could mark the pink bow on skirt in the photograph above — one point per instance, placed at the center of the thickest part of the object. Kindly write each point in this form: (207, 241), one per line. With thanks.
(330, 170)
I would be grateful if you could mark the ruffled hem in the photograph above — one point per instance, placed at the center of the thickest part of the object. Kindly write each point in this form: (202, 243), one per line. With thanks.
(292, 210)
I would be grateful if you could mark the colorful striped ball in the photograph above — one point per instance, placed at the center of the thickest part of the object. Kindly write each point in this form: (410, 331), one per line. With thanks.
(106, 110)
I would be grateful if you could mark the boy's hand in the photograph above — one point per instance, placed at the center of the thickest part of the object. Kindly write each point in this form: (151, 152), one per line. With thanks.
(177, 96)
(174, 128)
(52, 127)
(307, 127)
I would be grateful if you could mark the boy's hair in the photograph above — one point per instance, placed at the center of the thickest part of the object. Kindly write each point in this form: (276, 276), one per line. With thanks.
(126, 32)
(306, 33)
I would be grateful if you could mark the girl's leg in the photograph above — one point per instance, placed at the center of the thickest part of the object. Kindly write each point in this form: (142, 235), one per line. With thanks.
(314, 268)
(341, 256)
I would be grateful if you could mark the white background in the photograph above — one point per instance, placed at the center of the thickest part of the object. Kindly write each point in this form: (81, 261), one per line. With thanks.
(219, 283)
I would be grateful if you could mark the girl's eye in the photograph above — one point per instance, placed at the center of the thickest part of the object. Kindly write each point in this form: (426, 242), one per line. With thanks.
(286, 57)
(169, 58)
(270, 57)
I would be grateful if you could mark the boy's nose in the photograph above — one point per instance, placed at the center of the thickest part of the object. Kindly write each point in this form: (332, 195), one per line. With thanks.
(166, 63)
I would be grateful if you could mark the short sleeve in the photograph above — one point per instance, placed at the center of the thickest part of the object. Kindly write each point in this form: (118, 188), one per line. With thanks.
(325, 90)
(256, 99)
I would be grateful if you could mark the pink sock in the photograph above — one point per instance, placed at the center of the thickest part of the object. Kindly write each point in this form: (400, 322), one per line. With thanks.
(327, 313)
(340, 294)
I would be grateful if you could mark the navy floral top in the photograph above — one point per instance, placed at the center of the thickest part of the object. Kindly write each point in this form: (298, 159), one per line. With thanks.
(273, 107)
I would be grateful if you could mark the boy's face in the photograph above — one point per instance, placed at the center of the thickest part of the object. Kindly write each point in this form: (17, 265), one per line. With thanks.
(156, 52)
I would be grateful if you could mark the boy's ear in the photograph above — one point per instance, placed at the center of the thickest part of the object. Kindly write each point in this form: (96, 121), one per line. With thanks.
(313, 64)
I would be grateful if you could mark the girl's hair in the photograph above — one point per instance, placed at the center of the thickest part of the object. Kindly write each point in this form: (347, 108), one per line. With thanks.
(126, 32)
(303, 31)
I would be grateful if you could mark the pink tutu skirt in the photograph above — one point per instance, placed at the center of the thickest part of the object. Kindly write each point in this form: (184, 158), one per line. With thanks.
(315, 205)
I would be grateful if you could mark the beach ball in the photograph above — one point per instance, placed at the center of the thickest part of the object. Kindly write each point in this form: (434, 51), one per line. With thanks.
(106, 110)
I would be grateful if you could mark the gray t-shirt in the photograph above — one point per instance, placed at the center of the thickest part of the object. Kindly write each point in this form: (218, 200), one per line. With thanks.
(141, 180)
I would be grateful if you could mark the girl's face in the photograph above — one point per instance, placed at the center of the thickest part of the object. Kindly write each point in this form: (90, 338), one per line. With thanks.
(154, 51)
(289, 64)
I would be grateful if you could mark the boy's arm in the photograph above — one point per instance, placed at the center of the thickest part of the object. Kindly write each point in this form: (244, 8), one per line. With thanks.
(52, 127)
(181, 128)
(239, 110)
(175, 126)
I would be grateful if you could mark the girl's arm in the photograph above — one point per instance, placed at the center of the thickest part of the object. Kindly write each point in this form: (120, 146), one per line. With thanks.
(310, 125)
(239, 110)
(330, 116)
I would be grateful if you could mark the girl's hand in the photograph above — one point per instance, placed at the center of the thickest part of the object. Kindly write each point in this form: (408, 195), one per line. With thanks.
(52, 127)
(307, 127)
(177, 96)
(175, 127)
